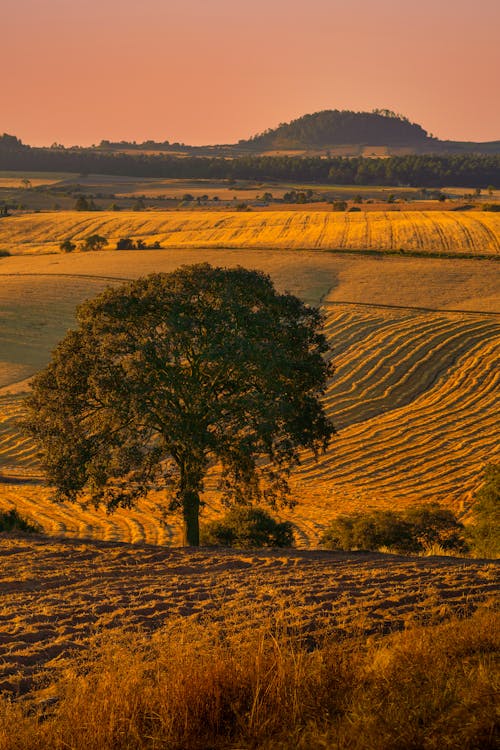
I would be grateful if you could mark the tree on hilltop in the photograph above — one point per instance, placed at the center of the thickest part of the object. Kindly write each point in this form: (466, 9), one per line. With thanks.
(172, 374)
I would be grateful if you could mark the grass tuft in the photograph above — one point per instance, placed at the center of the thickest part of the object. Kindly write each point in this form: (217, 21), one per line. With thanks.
(193, 687)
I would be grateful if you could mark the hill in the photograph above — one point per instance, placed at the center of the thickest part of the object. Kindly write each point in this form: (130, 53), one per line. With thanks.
(335, 128)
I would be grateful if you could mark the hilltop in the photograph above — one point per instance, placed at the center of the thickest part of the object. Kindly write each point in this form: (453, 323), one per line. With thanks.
(331, 128)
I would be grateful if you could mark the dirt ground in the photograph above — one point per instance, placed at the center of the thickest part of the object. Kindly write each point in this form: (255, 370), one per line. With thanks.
(57, 595)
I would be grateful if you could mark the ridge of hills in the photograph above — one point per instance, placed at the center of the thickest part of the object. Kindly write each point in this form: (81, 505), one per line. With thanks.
(325, 133)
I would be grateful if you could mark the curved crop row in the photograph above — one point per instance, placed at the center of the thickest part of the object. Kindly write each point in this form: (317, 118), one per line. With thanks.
(414, 398)
(425, 432)
(444, 232)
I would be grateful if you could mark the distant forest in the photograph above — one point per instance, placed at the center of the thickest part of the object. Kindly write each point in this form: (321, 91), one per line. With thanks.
(415, 170)
(381, 127)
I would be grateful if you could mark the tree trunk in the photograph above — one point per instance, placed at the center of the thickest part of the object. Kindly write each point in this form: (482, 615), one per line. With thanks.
(191, 517)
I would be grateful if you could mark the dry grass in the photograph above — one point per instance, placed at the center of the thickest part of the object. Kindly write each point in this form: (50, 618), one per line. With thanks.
(244, 650)
(413, 231)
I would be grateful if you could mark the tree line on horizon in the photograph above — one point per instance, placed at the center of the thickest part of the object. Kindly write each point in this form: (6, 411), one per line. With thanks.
(414, 170)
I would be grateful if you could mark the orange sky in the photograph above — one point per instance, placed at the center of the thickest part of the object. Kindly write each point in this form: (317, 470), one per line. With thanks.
(214, 71)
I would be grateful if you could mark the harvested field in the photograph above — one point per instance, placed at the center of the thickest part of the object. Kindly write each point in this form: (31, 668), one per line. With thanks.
(414, 395)
(58, 594)
(438, 232)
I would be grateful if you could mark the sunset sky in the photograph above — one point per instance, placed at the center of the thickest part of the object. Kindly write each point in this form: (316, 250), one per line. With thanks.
(214, 71)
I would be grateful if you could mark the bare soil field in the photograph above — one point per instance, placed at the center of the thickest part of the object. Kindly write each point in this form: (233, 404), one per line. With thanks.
(427, 232)
(58, 595)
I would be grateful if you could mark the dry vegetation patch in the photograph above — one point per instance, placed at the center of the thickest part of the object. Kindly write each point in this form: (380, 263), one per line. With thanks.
(57, 594)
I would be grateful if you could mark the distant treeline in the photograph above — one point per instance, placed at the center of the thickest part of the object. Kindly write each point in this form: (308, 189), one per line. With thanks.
(461, 170)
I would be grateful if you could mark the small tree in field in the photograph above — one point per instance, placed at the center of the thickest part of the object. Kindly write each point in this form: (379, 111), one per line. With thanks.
(171, 374)
(67, 246)
(94, 242)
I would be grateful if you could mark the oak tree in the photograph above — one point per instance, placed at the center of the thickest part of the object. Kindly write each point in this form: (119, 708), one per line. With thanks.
(174, 374)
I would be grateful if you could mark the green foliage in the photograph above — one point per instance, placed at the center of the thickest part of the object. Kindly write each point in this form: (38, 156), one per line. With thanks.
(339, 127)
(247, 527)
(414, 530)
(485, 532)
(10, 520)
(84, 204)
(419, 170)
(171, 374)
(94, 242)
(67, 246)
(125, 243)
(490, 207)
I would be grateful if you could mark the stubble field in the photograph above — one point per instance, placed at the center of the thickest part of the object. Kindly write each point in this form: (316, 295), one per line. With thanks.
(425, 232)
(415, 343)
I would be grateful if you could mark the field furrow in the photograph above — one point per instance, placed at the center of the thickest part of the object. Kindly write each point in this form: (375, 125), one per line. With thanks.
(414, 397)
(441, 232)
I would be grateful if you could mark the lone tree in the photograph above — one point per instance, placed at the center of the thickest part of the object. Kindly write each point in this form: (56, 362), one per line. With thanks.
(172, 374)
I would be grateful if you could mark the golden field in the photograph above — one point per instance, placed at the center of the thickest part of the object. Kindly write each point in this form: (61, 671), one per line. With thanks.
(439, 232)
(114, 637)
(414, 393)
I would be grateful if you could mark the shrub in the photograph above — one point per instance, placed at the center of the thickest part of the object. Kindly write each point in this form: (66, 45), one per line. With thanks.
(434, 525)
(10, 520)
(94, 242)
(414, 530)
(368, 531)
(339, 206)
(484, 534)
(247, 527)
(67, 246)
(125, 243)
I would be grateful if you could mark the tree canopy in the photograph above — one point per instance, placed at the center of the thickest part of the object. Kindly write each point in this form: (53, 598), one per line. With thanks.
(172, 374)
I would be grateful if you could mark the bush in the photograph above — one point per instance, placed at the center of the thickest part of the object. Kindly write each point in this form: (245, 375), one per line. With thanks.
(125, 243)
(10, 520)
(369, 531)
(415, 530)
(247, 527)
(484, 534)
(67, 246)
(339, 206)
(94, 242)
(434, 525)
